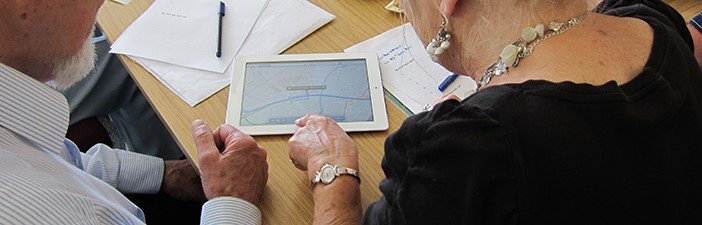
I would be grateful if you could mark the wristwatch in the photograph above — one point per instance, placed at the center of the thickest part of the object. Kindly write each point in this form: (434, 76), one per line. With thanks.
(328, 173)
(697, 22)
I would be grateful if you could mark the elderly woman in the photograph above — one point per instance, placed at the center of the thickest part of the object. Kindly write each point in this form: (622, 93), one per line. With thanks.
(581, 118)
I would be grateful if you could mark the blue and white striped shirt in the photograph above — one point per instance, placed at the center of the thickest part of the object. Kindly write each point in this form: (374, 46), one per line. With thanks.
(44, 179)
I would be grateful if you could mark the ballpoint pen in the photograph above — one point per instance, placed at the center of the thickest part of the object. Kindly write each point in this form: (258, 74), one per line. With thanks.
(447, 82)
(219, 35)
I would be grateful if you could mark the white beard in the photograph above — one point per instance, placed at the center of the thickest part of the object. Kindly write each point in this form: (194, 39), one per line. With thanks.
(70, 70)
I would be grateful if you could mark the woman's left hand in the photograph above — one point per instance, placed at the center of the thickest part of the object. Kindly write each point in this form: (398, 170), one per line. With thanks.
(440, 99)
(319, 140)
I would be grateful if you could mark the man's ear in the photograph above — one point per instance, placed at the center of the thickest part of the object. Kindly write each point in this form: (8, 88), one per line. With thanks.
(447, 6)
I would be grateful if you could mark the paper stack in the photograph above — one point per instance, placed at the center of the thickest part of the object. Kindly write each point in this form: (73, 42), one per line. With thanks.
(175, 40)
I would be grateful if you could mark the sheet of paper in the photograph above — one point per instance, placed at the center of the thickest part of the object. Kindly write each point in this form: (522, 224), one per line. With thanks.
(184, 32)
(271, 35)
(407, 71)
(123, 2)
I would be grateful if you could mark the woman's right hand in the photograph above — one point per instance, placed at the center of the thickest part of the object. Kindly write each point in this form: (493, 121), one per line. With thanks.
(319, 140)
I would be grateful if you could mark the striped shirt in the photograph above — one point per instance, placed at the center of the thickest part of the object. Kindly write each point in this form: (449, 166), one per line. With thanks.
(45, 179)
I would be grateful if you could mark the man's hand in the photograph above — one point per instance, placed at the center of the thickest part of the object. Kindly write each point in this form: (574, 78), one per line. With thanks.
(320, 140)
(181, 182)
(231, 163)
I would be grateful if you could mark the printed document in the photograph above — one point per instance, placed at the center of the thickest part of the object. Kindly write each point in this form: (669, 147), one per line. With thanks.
(271, 35)
(185, 32)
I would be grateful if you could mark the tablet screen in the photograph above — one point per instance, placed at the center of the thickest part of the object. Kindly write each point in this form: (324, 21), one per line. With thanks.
(278, 93)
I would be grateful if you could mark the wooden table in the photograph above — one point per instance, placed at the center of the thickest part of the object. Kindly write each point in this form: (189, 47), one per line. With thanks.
(687, 8)
(287, 199)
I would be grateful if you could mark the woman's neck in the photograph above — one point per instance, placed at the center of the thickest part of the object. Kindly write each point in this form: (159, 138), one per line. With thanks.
(600, 49)
(484, 39)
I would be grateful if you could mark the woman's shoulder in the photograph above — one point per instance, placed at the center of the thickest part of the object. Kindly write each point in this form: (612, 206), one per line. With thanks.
(648, 10)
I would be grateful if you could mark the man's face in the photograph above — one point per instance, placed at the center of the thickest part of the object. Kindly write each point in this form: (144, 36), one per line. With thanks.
(61, 25)
(47, 33)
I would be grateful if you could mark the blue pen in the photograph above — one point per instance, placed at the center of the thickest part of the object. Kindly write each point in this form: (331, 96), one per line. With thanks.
(219, 31)
(447, 82)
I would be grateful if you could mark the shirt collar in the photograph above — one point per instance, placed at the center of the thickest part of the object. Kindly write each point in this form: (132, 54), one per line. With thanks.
(32, 109)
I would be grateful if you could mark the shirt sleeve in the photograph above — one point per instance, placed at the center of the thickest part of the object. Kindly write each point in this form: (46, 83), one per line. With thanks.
(128, 172)
(230, 210)
(451, 165)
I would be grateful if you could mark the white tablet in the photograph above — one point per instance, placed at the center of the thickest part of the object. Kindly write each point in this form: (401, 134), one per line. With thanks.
(268, 93)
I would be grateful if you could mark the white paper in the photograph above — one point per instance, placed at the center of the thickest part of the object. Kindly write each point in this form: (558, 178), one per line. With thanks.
(184, 32)
(123, 2)
(282, 24)
(407, 71)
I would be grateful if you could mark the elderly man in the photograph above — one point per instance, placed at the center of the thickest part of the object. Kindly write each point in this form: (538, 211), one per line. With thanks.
(43, 176)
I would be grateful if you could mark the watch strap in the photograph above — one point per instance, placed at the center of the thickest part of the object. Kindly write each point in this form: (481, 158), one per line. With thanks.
(348, 171)
(338, 171)
(697, 22)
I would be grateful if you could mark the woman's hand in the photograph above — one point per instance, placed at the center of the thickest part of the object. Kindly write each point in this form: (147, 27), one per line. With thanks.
(319, 140)
(440, 99)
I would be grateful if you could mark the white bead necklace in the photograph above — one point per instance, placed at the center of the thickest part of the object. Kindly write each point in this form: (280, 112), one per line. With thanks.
(531, 36)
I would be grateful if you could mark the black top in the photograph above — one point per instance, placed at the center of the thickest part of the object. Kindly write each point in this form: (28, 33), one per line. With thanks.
(559, 153)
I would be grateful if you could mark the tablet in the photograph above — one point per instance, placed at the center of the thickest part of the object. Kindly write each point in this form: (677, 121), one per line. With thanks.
(268, 93)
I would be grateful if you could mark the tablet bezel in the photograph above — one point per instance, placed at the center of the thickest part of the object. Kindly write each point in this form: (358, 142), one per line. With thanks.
(375, 85)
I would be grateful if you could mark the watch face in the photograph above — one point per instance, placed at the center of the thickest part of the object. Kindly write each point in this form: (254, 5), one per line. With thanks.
(327, 174)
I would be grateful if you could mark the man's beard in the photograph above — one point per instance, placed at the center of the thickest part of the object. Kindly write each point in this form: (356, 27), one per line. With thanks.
(69, 71)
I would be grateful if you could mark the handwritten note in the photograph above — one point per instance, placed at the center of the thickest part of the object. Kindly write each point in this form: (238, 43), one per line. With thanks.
(407, 71)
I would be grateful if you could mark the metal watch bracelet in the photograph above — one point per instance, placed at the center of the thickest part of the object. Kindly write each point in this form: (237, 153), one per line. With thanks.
(328, 174)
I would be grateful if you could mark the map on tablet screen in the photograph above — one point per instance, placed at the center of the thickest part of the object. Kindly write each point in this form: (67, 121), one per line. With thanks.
(268, 93)
(278, 93)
